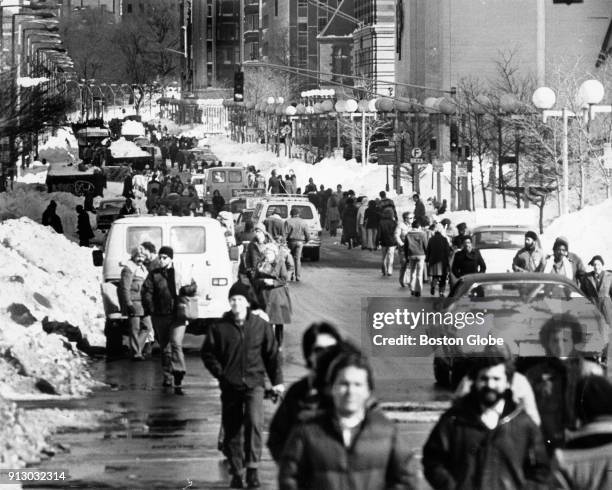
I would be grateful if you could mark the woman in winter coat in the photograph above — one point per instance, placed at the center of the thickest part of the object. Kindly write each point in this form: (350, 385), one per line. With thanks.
(371, 219)
(333, 215)
(437, 257)
(270, 285)
(349, 223)
(218, 202)
(350, 445)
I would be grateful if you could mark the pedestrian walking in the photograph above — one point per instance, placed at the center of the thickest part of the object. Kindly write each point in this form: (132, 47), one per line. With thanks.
(386, 239)
(597, 286)
(372, 220)
(218, 202)
(401, 230)
(128, 186)
(415, 246)
(467, 260)
(297, 234)
(160, 295)
(585, 462)
(239, 351)
(274, 223)
(133, 276)
(270, 285)
(273, 183)
(485, 441)
(253, 254)
(302, 400)
(352, 444)
(457, 240)
(84, 230)
(333, 215)
(51, 218)
(437, 257)
(530, 258)
(310, 187)
(420, 214)
(349, 223)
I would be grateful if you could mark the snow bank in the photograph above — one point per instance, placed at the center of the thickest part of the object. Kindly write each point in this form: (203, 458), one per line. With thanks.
(133, 128)
(62, 147)
(588, 232)
(126, 149)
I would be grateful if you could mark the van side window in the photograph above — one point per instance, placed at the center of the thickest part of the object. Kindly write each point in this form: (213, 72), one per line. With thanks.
(280, 209)
(138, 234)
(188, 239)
(305, 211)
(235, 176)
(218, 176)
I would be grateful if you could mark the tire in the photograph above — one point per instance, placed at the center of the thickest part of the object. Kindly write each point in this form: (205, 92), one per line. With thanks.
(315, 253)
(442, 372)
(114, 339)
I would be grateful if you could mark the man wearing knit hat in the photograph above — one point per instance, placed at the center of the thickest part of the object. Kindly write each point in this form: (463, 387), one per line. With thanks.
(239, 350)
(160, 291)
(564, 262)
(529, 258)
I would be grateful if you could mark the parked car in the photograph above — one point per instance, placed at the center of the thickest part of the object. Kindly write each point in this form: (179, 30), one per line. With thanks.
(108, 211)
(498, 245)
(200, 251)
(283, 204)
(513, 307)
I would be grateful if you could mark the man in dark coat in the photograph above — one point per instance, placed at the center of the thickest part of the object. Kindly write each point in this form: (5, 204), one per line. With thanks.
(127, 208)
(467, 260)
(349, 223)
(50, 218)
(128, 186)
(160, 292)
(597, 285)
(83, 227)
(239, 351)
(274, 224)
(419, 209)
(530, 258)
(486, 441)
(437, 257)
(310, 187)
(133, 276)
(296, 233)
(457, 241)
(273, 184)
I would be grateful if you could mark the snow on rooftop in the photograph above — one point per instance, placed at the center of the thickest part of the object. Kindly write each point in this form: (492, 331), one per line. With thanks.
(126, 149)
(133, 128)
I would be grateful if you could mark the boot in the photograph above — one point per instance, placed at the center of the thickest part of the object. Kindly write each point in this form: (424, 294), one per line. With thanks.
(236, 482)
(252, 478)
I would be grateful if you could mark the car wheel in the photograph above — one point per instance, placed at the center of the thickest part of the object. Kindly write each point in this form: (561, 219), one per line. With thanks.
(315, 254)
(442, 372)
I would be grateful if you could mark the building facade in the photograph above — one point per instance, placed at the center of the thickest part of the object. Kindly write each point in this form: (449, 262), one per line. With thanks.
(251, 30)
(212, 43)
(374, 47)
(441, 42)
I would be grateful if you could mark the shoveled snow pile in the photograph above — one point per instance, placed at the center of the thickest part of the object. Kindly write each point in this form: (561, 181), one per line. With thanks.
(588, 232)
(62, 147)
(133, 128)
(126, 149)
(28, 201)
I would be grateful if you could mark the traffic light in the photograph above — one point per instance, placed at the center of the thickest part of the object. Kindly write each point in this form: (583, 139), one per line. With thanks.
(239, 86)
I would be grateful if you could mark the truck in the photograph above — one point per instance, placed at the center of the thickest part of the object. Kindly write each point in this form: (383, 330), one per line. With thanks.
(75, 179)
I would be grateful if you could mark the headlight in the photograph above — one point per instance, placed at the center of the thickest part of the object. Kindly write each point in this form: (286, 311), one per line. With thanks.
(219, 281)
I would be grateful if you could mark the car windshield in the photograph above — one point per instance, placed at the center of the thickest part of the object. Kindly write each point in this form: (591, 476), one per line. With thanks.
(305, 211)
(513, 239)
(523, 292)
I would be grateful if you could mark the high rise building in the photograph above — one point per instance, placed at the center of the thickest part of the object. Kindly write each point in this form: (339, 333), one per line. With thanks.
(251, 30)
(213, 45)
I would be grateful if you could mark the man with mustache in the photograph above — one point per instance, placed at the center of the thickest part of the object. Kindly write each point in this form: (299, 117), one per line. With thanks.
(486, 441)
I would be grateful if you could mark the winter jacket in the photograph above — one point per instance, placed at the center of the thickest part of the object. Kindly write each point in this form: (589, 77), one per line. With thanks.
(419, 210)
(386, 232)
(315, 457)
(573, 268)
(438, 251)
(275, 298)
(600, 292)
(466, 262)
(371, 218)
(275, 225)
(400, 233)
(349, 221)
(462, 453)
(159, 292)
(528, 260)
(50, 218)
(300, 403)
(241, 356)
(585, 463)
(129, 290)
(84, 226)
(296, 229)
(415, 243)
(333, 213)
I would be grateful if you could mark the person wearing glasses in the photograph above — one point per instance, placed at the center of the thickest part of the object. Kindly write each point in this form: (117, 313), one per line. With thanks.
(160, 291)
(302, 398)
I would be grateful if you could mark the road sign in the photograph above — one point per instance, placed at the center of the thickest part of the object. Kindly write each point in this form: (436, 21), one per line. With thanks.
(416, 153)
(387, 156)
(462, 172)
(417, 160)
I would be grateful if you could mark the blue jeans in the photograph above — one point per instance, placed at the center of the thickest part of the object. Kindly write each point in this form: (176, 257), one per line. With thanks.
(296, 247)
(170, 335)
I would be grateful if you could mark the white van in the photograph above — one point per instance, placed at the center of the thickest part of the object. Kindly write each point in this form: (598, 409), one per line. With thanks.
(200, 252)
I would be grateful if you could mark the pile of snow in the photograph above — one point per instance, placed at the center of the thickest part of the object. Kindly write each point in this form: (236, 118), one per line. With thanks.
(33, 177)
(133, 128)
(588, 232)
(62, 147)
(480, 217)
(126, 149)
(194, 131)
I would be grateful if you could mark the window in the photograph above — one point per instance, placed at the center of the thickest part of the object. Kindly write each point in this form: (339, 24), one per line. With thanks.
(302, 27)
(499, 239)
(129, 8)
(235, 176)
(138, 234)
(280, 209)
(305, 211)
(218, 176)
(276, 8)
(188, 239)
